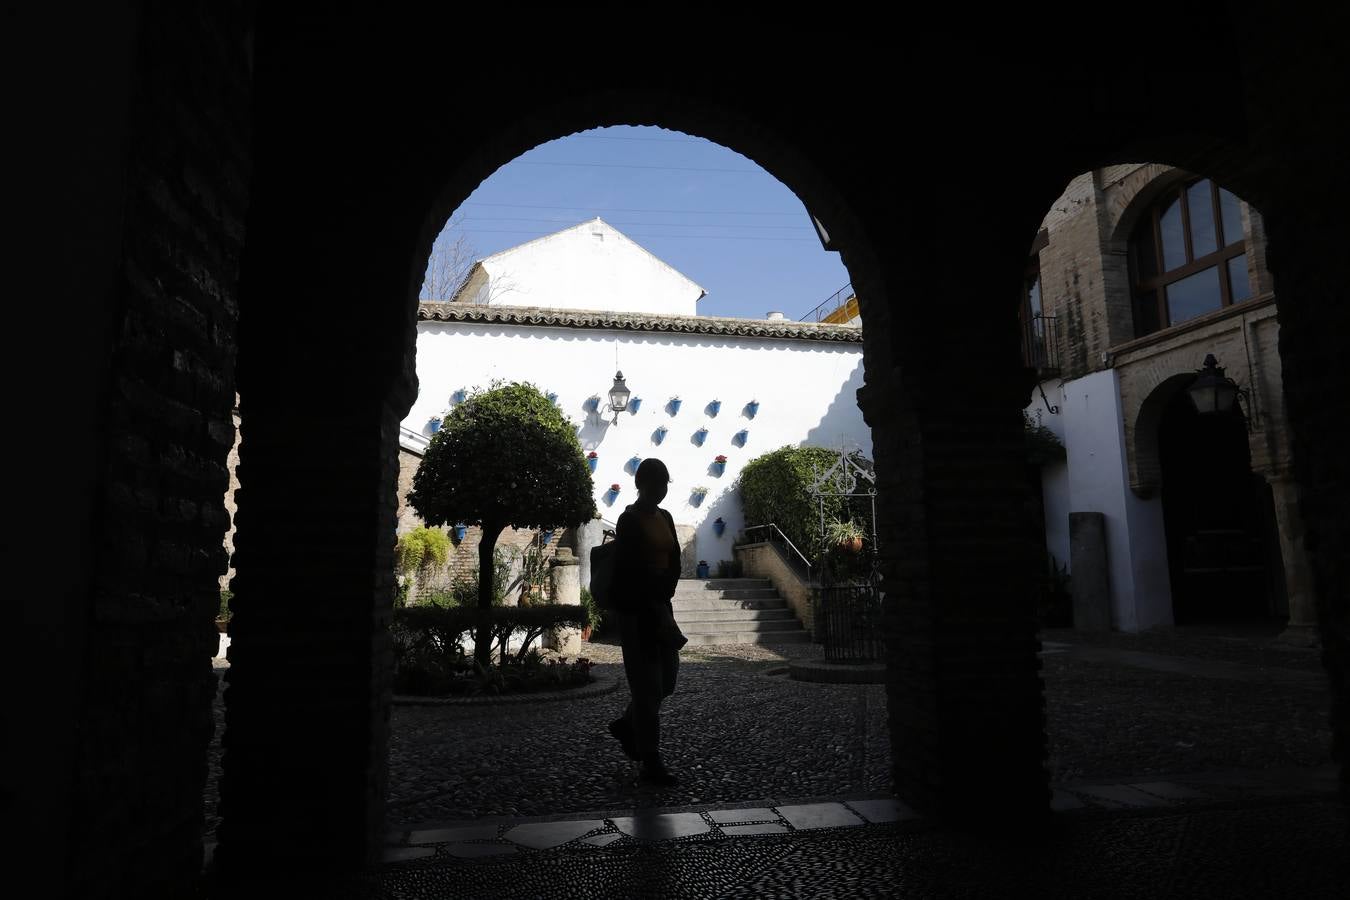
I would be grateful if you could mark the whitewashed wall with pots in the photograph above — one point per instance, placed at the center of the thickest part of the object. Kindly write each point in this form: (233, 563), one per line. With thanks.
(805, 389)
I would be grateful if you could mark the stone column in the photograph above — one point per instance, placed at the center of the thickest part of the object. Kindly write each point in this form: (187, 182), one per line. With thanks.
(565, 573)
(591, 534)
(1298, 578)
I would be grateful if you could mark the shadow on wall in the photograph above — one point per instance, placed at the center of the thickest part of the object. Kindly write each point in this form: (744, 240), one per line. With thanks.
(722, 502)
(843, 419)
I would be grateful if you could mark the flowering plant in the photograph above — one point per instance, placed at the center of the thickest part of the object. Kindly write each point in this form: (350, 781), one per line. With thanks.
(700, 489)
(721, 457)
(592, 455)
(615, 488)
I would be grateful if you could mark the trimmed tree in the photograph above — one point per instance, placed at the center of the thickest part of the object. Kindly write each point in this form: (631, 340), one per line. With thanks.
(505, 456)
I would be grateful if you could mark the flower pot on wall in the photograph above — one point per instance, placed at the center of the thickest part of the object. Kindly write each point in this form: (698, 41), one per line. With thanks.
(634, 403)
(459, 532)
(700, 436)
(659, 435)
(702, 570)
(714, 407)
(592, 461)
(546, 536)
(674, 405)
(719, 465)
(696, 496)
(634, 463)
(458, 396)
(752, 409)
(741, 437)
(552, 398)
(719, 526)
(434, 425)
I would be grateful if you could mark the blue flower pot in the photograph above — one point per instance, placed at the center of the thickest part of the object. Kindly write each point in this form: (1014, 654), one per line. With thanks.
(714, 407)
(659, 435)
(591, 462)
(458, 396)
(634, 463)
(752, 408)
(459, 533)
(547, 535)
(592, 404)
(718, 527)
(719, 468)
(674, 407)
(702, 570)
(434, 425)
(552, 398)
(634, 403)
(696, 498)
(742, 436)
(700, 436)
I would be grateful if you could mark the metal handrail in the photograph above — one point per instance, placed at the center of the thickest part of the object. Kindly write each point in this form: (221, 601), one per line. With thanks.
(833, 301)
(787, 539)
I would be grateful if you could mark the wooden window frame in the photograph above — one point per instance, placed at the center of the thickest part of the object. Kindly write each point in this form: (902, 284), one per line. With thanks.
(1156, 286)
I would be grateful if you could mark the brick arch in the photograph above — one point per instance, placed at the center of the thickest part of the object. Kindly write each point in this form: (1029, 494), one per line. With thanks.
(1141, 428)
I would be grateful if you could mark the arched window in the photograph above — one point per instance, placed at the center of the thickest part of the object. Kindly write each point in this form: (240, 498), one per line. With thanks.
(1188, 256)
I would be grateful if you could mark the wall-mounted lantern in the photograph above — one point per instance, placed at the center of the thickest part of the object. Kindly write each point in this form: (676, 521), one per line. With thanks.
(1213, 393)
(618, 396)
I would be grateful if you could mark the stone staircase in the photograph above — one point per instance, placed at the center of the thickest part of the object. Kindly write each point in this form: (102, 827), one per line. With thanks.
(735, 611)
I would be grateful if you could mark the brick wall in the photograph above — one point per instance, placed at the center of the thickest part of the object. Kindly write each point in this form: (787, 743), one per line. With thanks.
(147, 718)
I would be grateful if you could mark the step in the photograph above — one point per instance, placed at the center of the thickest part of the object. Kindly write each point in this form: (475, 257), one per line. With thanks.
(682, 604)
(698, 585)
(730, 594)
(780, 625)
(734, 615)
(772, 637)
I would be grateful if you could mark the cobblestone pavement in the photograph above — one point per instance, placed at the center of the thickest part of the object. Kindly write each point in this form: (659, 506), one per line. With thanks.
(1291, 848)
(738, 734)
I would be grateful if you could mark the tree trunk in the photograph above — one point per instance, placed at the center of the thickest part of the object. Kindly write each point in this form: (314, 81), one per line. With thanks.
(487, 543)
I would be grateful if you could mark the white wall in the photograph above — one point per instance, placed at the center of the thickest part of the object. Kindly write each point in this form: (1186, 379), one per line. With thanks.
(1096, 480)
(1054, 476)
(591, 266)
(806, 391)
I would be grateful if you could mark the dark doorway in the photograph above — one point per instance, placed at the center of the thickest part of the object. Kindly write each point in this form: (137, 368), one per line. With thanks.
(1215, 512)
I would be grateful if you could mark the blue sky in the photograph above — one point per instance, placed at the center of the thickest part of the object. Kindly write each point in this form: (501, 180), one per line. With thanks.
(708, 211)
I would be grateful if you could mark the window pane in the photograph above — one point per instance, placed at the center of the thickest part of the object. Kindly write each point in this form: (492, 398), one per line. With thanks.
(1146, 313)
(1193, 295)
(1232, 217)
(1200, 204)
(1173, 242)
(1034, 296)
(1239, 285)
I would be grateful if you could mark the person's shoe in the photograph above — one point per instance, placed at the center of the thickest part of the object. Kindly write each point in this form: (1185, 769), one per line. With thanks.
(654, 770)
(622, 734)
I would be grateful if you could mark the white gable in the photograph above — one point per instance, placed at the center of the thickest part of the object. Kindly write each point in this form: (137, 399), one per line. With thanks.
(589, 266)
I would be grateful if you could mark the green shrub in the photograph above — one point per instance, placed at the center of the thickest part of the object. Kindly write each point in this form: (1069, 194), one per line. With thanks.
(593, 614)
(776, 488)
(226, 595)
(420, 548)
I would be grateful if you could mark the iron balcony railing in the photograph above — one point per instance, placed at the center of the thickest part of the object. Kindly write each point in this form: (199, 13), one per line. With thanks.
(1040, 345)
(838, 308)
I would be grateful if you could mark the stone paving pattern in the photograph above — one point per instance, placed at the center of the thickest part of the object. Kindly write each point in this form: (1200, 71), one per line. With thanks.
(738, 735)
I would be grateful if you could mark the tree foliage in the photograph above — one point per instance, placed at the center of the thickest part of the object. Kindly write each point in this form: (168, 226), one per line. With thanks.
(504, 456)
(776, 488)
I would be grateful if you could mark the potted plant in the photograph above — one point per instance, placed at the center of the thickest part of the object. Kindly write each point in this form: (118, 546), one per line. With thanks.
(847, 536)
(552, 397)
(697, 493)
(701, 435)
(592, 403)
(460, 528)
(742, 436)
(634, 462)
(458, 396)
(752, 409)
(702, 570)
(674, 405)
(592, 459)
(546, 535)
(714, 407)
(434, 424)
(223, 617)
(614, 488)
(634, 403)
(659, 434)
(719, 464)
(719, 526)
(593, 614)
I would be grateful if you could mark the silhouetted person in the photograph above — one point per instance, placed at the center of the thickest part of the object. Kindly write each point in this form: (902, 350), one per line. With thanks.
(646, 572)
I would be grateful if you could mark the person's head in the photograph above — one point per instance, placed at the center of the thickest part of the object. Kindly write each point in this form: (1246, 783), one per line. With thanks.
(652, 479)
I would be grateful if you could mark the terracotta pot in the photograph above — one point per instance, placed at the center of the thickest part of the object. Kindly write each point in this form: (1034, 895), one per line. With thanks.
(586, 633)
(852, 545)
(223, 626)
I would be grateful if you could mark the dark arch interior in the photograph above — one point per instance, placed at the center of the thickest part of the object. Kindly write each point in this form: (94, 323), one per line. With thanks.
(1222, 548)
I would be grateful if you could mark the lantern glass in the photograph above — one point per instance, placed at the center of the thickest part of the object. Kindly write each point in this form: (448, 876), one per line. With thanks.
(618, 394)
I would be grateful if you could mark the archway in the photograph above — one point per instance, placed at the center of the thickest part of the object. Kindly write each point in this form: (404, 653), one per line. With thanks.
(1217, 516)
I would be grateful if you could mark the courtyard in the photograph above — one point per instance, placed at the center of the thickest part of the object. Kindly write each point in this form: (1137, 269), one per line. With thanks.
(1167, 706)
